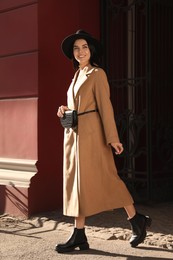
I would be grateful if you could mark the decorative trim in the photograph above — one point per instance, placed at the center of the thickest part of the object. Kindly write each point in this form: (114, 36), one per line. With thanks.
(17, 172)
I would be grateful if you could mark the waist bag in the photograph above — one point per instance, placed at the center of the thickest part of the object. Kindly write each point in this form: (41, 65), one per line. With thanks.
(70, 118)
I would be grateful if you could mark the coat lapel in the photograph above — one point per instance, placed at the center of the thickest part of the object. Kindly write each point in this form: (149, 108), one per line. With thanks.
(81, 82)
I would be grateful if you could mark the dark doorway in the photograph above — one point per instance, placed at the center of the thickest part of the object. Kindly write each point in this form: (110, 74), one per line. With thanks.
(137, 36)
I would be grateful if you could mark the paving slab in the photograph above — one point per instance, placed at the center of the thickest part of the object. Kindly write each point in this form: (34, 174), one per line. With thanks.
(108, 234)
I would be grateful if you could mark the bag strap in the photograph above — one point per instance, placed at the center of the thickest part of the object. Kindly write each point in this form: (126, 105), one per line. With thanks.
(86, 112)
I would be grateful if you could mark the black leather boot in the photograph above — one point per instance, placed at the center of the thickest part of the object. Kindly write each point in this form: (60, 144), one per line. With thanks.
(139, 224)
(78, 239)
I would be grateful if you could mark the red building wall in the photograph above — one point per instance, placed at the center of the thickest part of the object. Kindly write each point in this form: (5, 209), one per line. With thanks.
(34, 77)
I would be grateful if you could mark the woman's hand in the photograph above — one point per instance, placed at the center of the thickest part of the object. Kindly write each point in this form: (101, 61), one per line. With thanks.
(61, 110)
(118, 147)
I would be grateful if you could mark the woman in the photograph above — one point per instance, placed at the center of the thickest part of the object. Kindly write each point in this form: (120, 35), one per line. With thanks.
(91, 182)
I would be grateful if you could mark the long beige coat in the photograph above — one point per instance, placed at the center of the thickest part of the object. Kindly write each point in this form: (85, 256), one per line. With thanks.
(91, 183)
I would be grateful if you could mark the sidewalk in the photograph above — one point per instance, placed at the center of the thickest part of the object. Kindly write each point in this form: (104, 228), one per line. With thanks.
(107, 233)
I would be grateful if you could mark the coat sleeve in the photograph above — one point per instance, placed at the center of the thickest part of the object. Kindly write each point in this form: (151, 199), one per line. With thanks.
(104, 105)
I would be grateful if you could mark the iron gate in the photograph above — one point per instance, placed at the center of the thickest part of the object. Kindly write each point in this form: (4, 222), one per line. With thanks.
(137, 36)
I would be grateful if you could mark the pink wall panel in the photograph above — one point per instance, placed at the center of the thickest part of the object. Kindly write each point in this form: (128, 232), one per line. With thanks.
(18, 128)
(19, 75)
(18, 30)
(6, 4)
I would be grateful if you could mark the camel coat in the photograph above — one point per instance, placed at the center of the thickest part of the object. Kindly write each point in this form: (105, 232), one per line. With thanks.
(91, 183)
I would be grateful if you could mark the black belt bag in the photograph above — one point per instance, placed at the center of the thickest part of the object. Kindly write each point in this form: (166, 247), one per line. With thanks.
(70, 118)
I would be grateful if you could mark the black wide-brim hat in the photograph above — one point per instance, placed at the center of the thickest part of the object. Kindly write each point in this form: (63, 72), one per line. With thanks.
(67, 43)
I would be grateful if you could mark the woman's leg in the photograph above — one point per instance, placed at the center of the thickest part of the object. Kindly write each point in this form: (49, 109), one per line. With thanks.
(130, 210)
(79, 222)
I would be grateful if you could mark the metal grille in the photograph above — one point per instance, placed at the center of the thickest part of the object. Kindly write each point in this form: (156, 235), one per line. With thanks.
(138, 40)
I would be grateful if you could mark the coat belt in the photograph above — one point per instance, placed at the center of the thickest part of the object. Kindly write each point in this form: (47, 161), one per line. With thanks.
(86, 112)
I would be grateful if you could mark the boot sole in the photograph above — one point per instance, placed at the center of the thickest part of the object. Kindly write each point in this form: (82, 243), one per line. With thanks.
(143, 236)
(84, 246)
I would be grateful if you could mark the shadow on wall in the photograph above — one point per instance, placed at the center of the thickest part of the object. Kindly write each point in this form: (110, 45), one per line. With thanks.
(2, 199)
(13, 200)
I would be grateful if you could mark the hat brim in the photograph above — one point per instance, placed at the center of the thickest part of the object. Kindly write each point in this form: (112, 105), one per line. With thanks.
(67, 44)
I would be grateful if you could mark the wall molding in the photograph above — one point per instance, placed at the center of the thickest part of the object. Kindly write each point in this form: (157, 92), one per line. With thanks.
(17, 172)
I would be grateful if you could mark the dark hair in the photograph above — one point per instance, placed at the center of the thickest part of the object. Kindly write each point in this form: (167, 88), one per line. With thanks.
(95, 59)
